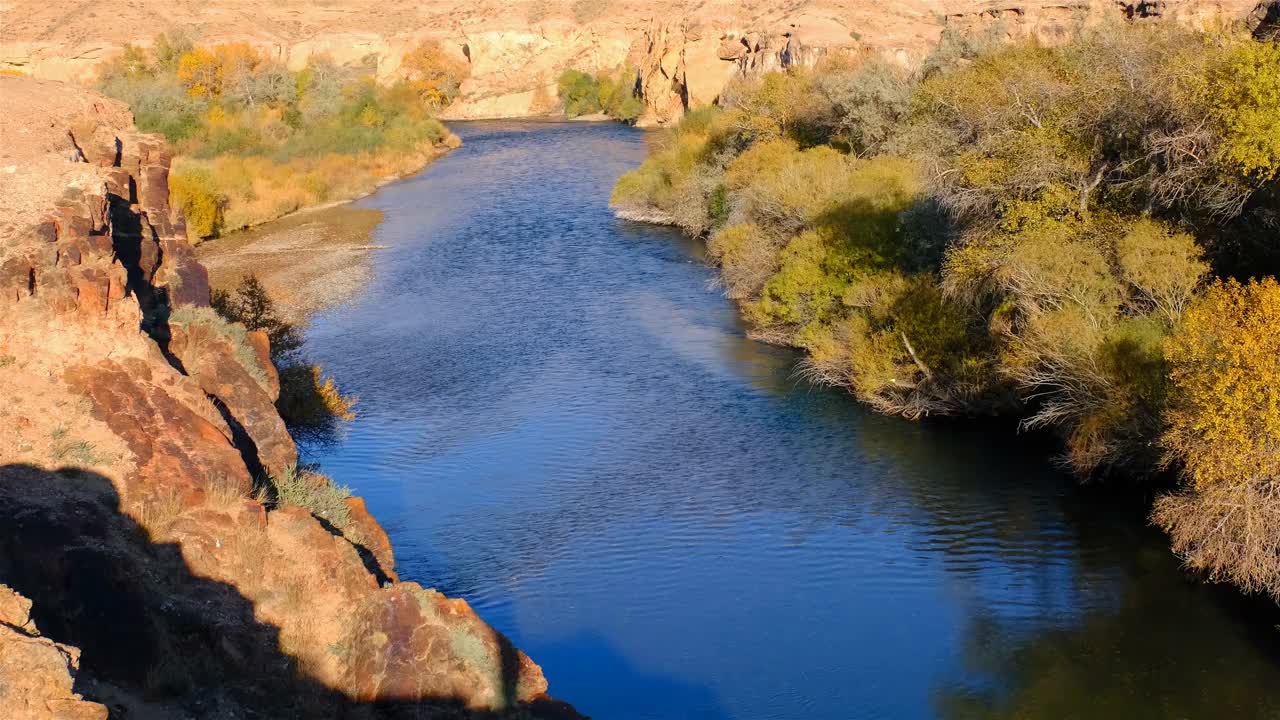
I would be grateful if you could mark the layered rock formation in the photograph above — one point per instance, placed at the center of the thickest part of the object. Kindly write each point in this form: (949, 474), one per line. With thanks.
(138, 428)
(684, 52)
(516, 50)
(1052, 22)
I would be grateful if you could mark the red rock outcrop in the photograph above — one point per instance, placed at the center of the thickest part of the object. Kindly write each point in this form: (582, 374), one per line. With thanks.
(142, 427)
(37, 674)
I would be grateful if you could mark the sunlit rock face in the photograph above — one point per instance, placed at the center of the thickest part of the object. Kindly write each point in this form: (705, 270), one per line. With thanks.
(682, 54)
(1056, 22)
(137, 427)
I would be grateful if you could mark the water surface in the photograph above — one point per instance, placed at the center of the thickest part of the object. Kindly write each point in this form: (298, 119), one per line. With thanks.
(562, 422)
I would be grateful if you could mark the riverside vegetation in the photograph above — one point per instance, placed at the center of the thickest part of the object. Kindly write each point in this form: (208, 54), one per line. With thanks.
(310, 403)
(255, 141)
(1082, 236)
(606, 93)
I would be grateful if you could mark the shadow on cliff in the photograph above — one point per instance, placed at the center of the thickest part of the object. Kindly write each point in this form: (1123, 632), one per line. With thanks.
(152, 632)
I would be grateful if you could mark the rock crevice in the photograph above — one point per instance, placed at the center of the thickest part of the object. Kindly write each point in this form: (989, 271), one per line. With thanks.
(142, 424)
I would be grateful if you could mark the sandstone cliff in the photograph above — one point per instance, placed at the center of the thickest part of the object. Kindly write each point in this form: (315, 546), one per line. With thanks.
(137, 426)
(516, 50)
(684, 52)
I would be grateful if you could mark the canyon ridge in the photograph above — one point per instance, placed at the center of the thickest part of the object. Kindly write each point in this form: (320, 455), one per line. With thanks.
(683, 52)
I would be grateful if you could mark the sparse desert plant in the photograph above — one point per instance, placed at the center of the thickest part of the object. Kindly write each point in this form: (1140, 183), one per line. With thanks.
(303, 487)
(233, 332)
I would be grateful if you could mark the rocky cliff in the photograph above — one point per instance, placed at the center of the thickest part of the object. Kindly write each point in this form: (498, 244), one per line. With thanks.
(684, 52)
(138, 428)
(516, 50)
(1051, 22)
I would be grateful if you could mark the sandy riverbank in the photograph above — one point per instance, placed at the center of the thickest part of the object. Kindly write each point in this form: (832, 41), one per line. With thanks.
(308, 261)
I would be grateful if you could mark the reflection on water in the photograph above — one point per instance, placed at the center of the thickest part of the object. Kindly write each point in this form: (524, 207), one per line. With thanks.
(563, 423)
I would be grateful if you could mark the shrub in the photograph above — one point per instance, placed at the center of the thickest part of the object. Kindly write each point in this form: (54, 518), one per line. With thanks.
(1228, 532)
(234, 332)
(610, 93)
(307, 489)
(775, 106)
(1225, 368)
(666, 179)
(748, 257)
(1162, 265)
(194, 191)
(865, 107)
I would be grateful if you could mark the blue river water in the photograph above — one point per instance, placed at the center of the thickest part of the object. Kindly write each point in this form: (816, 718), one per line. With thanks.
(562, 421)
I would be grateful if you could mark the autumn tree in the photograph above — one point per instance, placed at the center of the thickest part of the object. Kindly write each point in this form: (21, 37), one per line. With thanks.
(199, 73)
(1224, 432)
(1245, 91)
(1224, 424)
(435, 73)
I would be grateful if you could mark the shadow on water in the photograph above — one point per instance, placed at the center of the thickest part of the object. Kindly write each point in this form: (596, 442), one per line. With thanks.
(147, 626)
(1105, 665)
(649, 694)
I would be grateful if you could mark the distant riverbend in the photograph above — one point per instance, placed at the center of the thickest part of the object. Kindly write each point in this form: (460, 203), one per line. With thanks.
(563, 422)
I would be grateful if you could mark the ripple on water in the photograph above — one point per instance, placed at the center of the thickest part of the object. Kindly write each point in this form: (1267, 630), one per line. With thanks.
(562, 423)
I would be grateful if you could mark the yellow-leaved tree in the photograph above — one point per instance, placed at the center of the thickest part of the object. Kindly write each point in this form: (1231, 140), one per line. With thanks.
(1246, 99)
(1224, 361)
(198, 71)
(435, 73)
(1224, 431)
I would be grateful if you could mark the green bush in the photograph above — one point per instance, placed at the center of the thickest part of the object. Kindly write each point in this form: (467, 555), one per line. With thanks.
(586, 94)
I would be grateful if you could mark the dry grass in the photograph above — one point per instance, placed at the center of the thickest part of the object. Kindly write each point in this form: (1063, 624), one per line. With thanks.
(300, 638)
(223, 493)
(158, 513)
(256, 190)
(1228, 532)
(252, 550)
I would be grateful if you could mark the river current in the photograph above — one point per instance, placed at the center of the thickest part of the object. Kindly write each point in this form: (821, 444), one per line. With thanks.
(562, 421)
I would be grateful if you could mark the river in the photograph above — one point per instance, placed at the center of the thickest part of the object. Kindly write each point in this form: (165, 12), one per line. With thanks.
(562, 421)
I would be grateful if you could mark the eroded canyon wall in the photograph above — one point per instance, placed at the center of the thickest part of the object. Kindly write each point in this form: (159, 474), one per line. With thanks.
(684, 52)
(137, 427)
